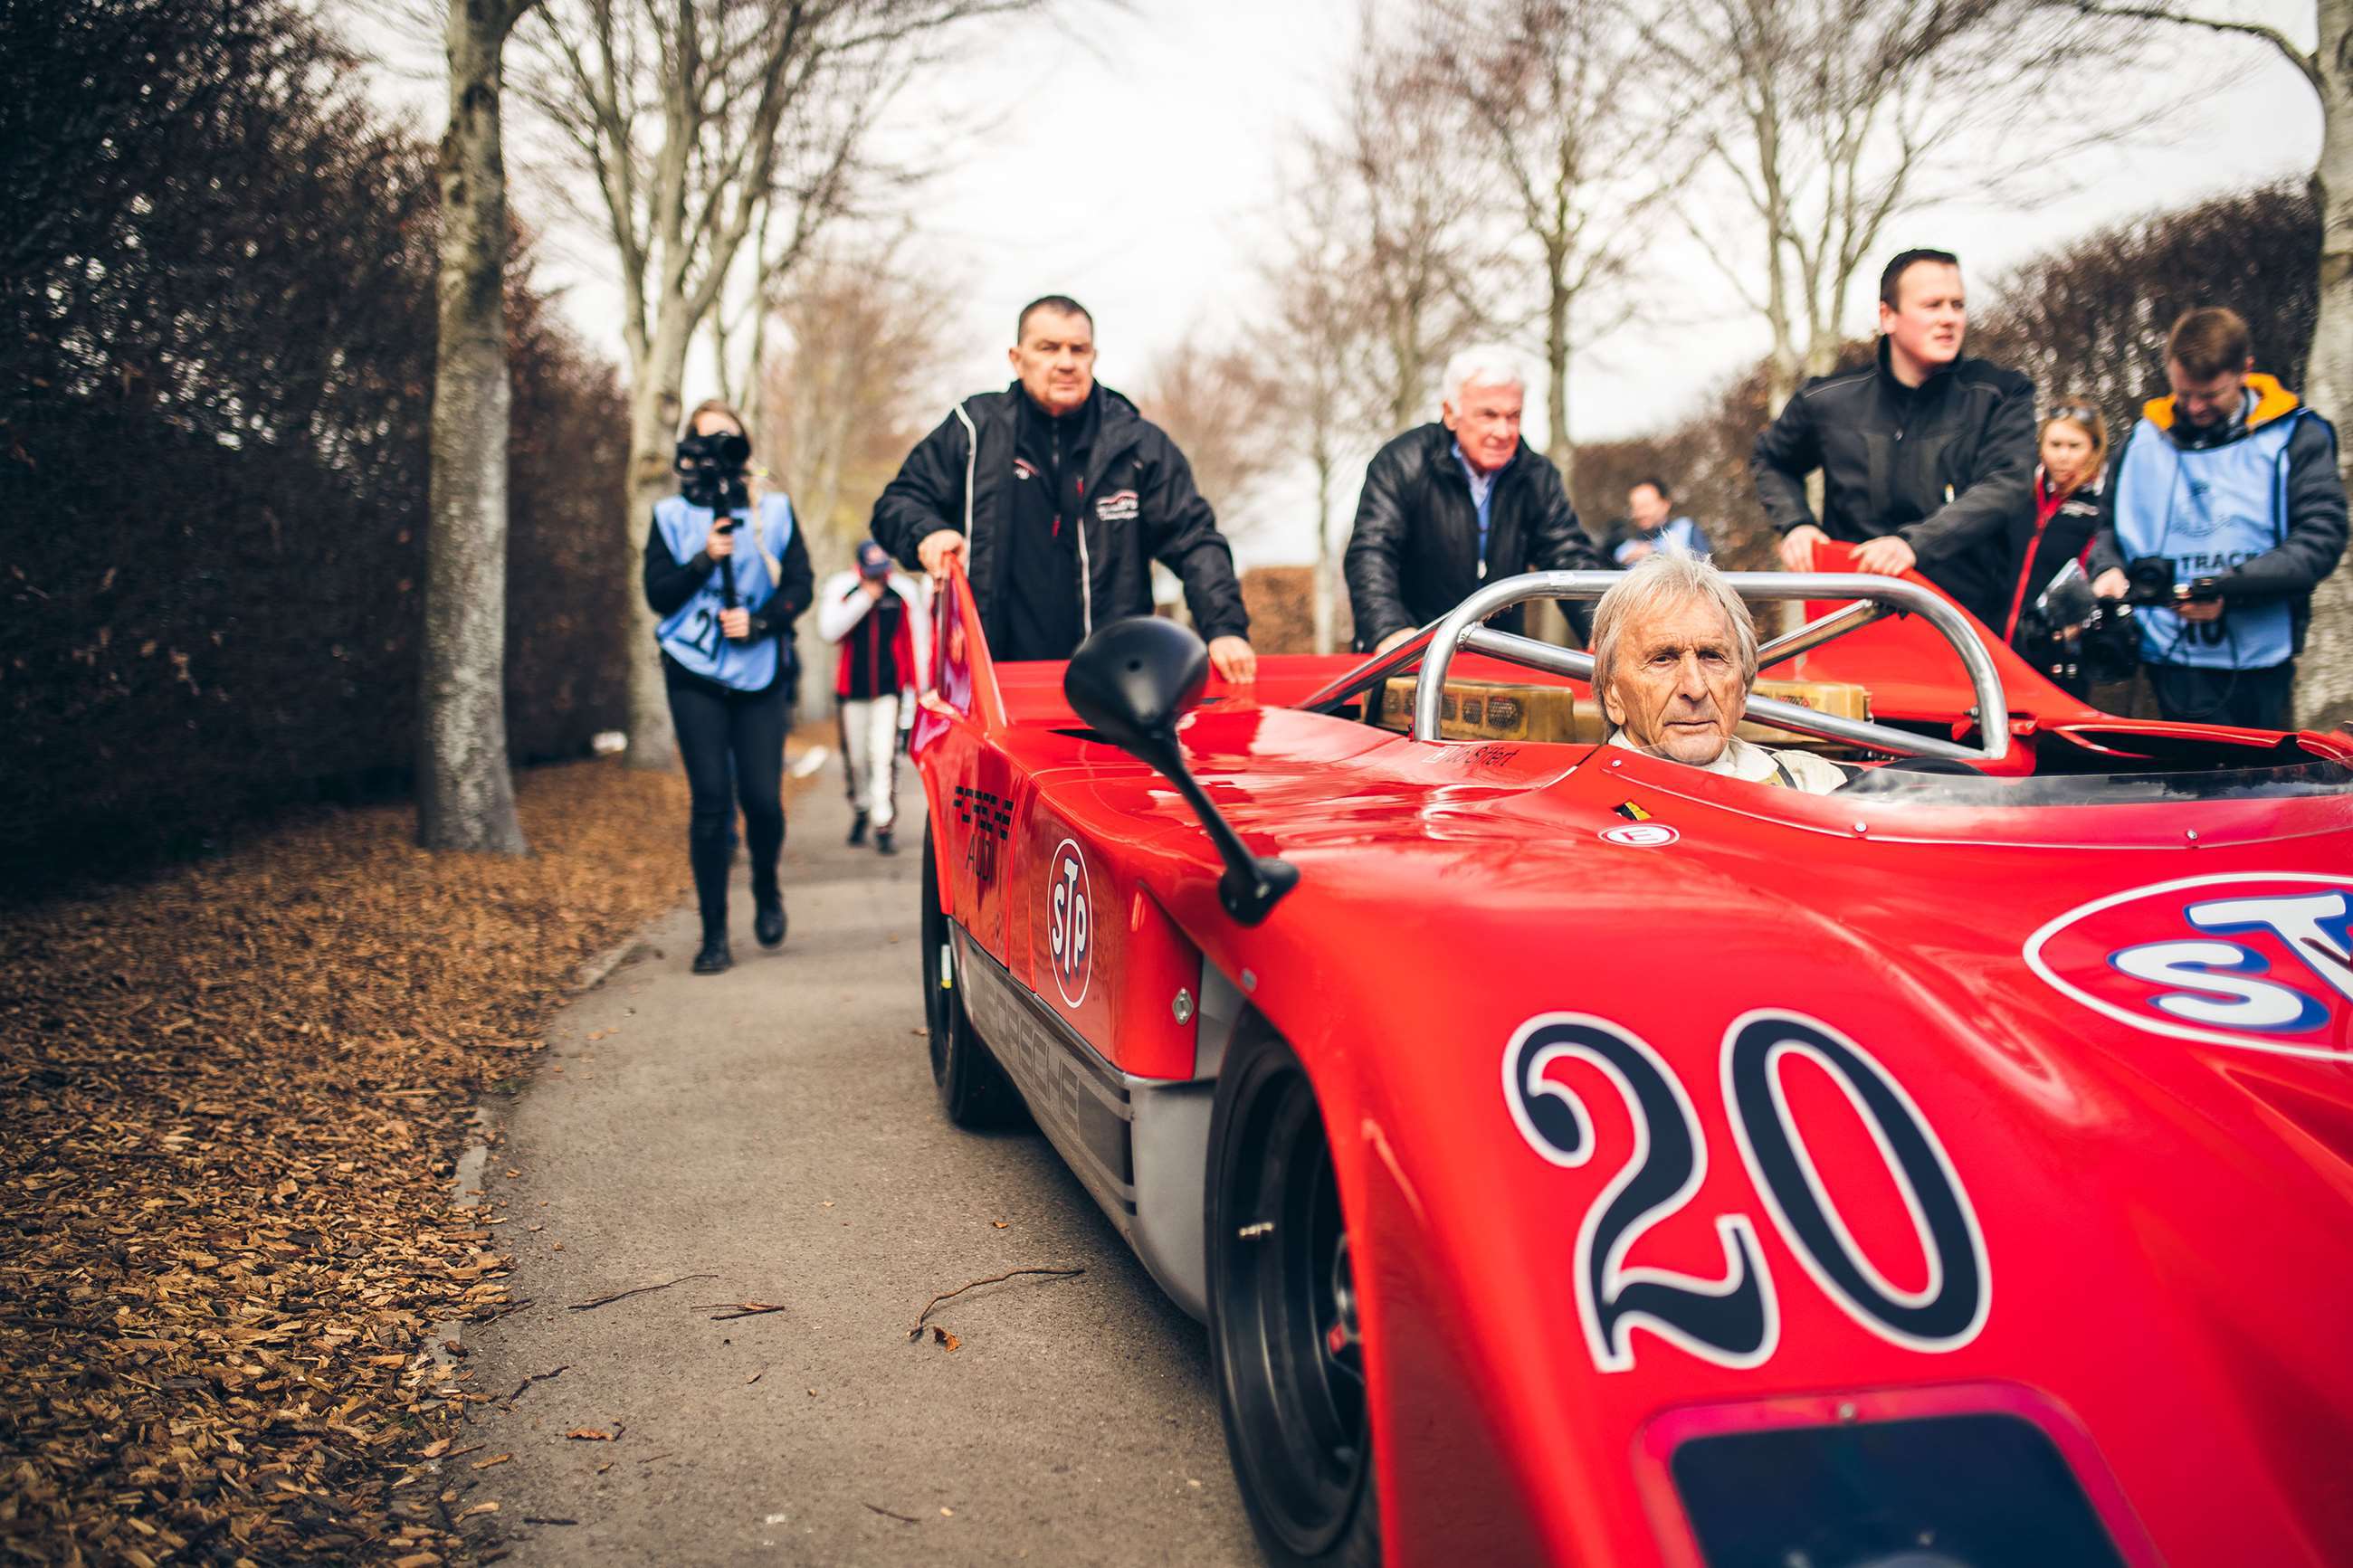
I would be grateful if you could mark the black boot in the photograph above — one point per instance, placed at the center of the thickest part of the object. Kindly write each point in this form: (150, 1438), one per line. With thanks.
(857, 829)
(882, 841)
(769, 917)
(715, 957)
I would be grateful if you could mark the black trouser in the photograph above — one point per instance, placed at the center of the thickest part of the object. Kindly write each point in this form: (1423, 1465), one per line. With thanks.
(731, 738)
(2250, 699)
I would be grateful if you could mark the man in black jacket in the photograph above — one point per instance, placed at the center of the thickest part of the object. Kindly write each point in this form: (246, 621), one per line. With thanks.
(1058, 496)
(1925, 456)
(1449, 506)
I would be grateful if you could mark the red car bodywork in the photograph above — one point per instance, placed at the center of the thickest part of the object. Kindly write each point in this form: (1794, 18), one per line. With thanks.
(2147, 1237)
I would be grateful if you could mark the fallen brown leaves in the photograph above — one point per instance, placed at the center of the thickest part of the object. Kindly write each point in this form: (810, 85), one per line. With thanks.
(229, 1100)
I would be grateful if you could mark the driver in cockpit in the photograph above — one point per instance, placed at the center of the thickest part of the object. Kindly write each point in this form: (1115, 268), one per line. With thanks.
(1674, 653)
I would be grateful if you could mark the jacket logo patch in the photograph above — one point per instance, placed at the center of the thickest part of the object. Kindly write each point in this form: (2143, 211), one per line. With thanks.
(1119, 506)
(1023, 468)
(2261, 961)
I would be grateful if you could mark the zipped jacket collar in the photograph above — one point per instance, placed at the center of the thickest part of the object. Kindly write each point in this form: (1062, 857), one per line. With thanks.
(2271, 401)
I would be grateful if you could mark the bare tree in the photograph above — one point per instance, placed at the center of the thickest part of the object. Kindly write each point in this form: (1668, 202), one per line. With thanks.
(1318, 332)
(465, 797)
(1218, 405)
(693, 119)
(1830, 118)
(845, 394)
(2324, 685)
(864, 337)
(1408, 198)
(1569, 111)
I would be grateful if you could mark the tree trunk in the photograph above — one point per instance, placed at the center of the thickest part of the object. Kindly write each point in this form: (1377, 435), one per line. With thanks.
(2324, 694)
(655, 409)
(1325, 598)
(1557, 303)
(465, 792)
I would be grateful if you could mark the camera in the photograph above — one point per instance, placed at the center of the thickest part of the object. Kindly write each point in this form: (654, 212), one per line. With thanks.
(2152, 583)
(711, 470)
(2079, 640)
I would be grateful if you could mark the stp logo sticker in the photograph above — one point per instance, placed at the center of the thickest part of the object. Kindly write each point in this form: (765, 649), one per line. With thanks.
(1069, 921)
(1641, 835)
(2262, 961)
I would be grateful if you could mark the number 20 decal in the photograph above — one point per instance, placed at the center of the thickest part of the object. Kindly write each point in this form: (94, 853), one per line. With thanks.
(1734, 1320)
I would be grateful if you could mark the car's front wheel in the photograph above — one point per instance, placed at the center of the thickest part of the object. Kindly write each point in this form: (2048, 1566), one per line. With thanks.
(1283, 1317)
(974, 1089)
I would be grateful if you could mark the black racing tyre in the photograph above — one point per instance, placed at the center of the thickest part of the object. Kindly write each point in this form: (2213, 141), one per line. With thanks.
(974, 1089)
(1282, 1318)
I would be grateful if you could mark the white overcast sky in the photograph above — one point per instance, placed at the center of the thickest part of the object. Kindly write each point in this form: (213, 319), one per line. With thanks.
(1132, 157)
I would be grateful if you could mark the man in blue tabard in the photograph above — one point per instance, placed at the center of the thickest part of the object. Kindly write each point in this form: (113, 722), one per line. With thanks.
(2233, 480)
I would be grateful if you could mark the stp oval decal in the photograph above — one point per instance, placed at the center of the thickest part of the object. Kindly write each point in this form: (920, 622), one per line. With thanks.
(2262, 961)
(1069, 921)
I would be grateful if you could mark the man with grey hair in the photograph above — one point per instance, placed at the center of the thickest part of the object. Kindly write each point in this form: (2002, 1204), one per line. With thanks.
(1449, 505)
(1674, 653)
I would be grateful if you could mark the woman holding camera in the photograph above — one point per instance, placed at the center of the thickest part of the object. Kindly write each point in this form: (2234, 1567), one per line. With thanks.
(727, 571)
(2070, 505)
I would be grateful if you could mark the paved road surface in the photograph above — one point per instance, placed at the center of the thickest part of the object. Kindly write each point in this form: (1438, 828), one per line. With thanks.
(775, 1128)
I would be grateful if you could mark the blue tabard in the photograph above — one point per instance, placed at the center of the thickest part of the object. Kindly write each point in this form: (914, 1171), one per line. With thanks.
(2209, 510)
(691, 634)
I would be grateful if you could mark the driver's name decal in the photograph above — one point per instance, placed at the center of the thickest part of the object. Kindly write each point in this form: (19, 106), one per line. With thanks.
(2263, 960)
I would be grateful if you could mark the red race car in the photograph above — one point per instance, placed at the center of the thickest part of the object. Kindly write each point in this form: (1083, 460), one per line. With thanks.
(1581, 1158)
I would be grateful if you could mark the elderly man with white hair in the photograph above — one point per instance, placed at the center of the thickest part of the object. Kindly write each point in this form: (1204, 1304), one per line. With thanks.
(1451, 505)
(1674, 653)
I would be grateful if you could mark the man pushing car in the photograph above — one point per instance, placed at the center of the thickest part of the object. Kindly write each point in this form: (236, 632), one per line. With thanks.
(1058, 496)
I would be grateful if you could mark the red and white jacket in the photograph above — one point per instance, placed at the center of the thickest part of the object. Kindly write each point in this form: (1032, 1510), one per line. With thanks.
(842, 618)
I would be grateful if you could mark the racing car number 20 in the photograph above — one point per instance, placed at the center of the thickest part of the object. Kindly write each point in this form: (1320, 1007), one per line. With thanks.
(1735, 1321)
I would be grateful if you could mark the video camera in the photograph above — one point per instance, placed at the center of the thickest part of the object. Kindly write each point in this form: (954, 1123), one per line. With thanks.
(711, 471)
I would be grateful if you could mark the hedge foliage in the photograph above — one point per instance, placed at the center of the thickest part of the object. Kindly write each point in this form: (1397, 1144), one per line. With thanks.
(216, 345)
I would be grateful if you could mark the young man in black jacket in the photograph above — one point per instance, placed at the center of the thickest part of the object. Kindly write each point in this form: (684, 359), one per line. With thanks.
(1058, 496)
(1925, 456)
(1449, 506)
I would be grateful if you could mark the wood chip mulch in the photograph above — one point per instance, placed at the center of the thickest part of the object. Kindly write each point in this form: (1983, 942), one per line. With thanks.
(230, 1100)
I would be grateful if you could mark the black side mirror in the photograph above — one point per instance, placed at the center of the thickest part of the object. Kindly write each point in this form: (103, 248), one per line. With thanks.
(1135, 678)
(1131, 681)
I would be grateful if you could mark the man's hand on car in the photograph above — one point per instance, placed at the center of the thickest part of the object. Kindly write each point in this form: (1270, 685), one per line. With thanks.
(1234, 659)
(935, 549)
(1797, 547)
(1395, 637)
(1887, 556)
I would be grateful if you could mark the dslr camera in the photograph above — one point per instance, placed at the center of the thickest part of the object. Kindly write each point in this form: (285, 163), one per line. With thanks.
(2152, 580)
(2078, 639)
(711, 471)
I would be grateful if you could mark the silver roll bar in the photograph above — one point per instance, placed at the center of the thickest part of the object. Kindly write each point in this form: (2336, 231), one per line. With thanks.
(1460, 628)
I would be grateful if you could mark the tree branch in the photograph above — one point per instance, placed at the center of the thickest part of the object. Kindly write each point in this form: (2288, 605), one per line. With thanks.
(2309, 64)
